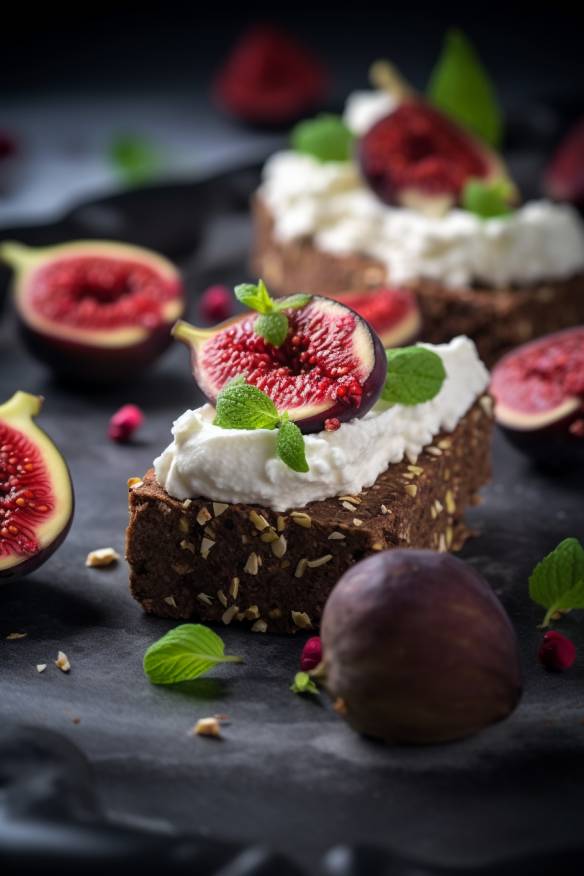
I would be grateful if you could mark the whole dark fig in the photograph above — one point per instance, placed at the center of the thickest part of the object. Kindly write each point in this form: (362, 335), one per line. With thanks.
(418, 649)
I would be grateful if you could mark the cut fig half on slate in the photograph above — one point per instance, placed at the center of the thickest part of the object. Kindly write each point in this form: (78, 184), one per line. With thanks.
(331, 364)
(94, 310)
(539, 397)
(419, 158)
(36, 493)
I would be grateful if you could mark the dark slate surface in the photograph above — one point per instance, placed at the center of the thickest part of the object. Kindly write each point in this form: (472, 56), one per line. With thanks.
(288, 771)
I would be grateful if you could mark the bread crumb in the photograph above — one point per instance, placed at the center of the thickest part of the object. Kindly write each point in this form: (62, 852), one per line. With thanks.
(207, 727)
(40, 667)
(12, 636)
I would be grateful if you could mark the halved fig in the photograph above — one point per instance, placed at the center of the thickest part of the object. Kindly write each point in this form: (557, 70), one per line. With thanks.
(36, 493)
(539, 397)
(564, 178)
(392, 313)
(332, 365)
(94, 310)
(417, 157)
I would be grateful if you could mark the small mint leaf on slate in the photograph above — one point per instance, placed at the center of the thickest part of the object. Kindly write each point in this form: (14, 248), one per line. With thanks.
(134, 158)
(557, 582)
(461, 87)
(290, 446)
(414, 375)
(303, 683)
(242, 406)
(272, 327)
(325, 138)
(184, 653)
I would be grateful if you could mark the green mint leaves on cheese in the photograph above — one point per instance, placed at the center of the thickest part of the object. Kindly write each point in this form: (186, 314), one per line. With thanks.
(414, 375)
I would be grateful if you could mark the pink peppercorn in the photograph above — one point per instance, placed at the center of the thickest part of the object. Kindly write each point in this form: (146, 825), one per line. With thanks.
(124, 423)
(311, 654)
(216, 304)
(556, 652)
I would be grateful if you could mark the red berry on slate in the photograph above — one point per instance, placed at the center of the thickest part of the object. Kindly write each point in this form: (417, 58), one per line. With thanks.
(311, 654)
(332, 424)
(556, 652)
(125, 422)
(216, 304)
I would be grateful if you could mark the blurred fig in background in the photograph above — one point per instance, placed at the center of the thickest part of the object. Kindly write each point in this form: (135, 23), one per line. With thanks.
(270, 79)
(564, 177)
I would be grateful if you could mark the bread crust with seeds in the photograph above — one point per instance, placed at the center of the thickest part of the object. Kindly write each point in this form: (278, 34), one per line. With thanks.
(273, 571)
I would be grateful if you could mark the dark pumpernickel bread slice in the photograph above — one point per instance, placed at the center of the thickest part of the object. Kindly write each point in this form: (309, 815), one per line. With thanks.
(274, 571)
(496, 319)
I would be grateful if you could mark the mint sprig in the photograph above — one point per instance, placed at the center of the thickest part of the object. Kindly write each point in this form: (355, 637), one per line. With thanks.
(461, 87)
(272, 324)
(414, 375)
(557, 582)
(487, 199)
(134, 158)
(240, 405)
(184, 653)
(303, 684)
(325, 138)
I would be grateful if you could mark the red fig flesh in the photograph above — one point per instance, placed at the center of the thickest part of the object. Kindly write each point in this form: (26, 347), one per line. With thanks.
(331, 365)
(418, 649)
(95, 310)
(392, 313)
(539, 397)
(416, 157)
(36, 494)
(564, 178)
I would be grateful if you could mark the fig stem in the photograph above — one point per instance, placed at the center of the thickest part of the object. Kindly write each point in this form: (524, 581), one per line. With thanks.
(386, 77)
(21, 404)
(190, 334)
(15, 254)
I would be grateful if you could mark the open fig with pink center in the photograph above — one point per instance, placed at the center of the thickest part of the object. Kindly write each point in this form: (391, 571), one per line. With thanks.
(36, 493)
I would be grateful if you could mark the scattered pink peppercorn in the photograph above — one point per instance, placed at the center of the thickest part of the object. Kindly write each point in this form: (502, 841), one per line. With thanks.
(556, 652)
(332, 424)
(311, 654)
(216, 304)
(125, 423)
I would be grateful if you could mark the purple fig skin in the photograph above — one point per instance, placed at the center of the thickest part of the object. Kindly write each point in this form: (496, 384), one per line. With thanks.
(553, 445)
(418, 649)
(20, 569)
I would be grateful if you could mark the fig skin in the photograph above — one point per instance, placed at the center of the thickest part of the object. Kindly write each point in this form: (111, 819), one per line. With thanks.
(18, 413)
(418, 649)
(552, 437)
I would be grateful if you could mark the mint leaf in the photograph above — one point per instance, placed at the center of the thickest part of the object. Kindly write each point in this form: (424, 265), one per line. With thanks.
(326, 138)
(414, 375)
(290, 446)
(303, 683)
(243, 406)
(134, 159)
(185, 653)
(487, 200)
(255, 297)
(293, 302)
(460, 86)
(272, 327)
(557, 582)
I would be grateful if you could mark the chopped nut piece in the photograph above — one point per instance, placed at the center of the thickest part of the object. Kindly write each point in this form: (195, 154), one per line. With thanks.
(438, 506)
(449, 536)
(40, 667)
(442, 543)
(102, 557)
(321, 561)
(183, 524)
(170, 600)
(187, 546)
(357, 521)
(348, 506)
(377, 546)
(270, 536)
(450, 503)
(260, 626)
(336, 536)
(411, 489)
(301, 568)
(219, 508)
(354, 499)
(134, 483)
(301, 620)
(433, 512)
(280, 546)
(252, 565)
(229, 614)
(207, 727)
(62, 662)
(252, 613)
(222, 598)
(205, 598)
(434, 451)
(446, 474)
(445, 444)
(187, 503)
(384, 509)
(281, 523)
(258, 520)
(486, 403)
(415, 470)
(209, 532)
(234, 588)
(206, 545)
(12, 636)
(203, 516)
(302, 519)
